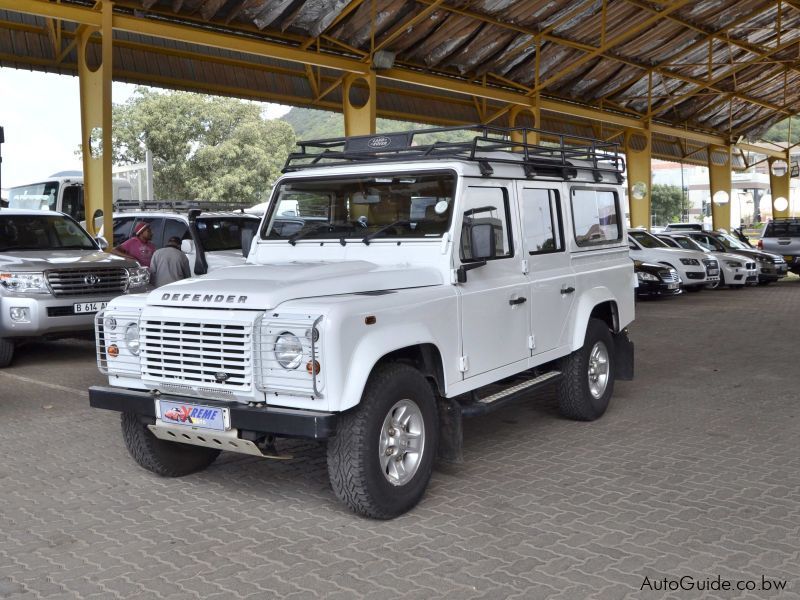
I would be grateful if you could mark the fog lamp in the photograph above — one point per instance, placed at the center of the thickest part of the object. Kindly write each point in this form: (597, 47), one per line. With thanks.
(20, 314)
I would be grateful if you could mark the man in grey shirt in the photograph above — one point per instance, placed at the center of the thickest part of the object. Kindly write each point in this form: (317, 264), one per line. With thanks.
(169, 264)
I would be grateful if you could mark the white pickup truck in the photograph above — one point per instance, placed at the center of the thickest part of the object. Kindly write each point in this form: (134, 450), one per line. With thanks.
(415, 285)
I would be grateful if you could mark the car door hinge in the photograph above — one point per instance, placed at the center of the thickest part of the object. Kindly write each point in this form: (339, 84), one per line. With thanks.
(525, 267)
(463, 364)
(531, 342)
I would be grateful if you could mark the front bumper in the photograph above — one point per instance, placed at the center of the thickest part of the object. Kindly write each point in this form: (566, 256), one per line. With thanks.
(48, 315)
(284, 422)
(657, 288)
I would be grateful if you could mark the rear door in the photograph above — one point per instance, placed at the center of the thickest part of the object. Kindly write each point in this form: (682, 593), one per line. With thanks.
(550, 273)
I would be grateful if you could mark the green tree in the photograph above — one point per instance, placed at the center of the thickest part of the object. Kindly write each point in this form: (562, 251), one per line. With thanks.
(666, 203)
(780, 131)
(203, 147)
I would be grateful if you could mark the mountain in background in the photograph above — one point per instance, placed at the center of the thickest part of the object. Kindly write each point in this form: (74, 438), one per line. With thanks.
(311, 124)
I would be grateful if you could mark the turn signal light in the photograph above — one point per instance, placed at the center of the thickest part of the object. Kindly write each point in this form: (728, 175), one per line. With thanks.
(313, 368)
(113, 350)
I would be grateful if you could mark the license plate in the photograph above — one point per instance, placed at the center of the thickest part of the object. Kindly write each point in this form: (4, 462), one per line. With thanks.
(713, 271)
(672, 286)
(195, 416)
(85, 308)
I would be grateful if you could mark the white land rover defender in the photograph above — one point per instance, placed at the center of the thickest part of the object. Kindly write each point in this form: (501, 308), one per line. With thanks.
(392, 289)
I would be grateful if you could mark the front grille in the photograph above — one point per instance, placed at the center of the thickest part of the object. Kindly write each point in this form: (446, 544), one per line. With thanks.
(212, 354)
(60, 311)
(85, 282)
(669, 276)
(750, 265)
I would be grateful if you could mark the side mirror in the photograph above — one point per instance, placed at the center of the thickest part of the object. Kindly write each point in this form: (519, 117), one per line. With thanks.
(187, 246)
(247, 241)
(482, 241)
(102, 242)
(482, 246)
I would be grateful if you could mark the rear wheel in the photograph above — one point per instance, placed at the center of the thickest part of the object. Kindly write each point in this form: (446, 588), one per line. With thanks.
(6, 352)
(381, 459)
(168, 459)
(588, 375)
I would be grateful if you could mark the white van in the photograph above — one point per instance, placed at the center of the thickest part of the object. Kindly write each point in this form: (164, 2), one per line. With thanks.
(61, 193)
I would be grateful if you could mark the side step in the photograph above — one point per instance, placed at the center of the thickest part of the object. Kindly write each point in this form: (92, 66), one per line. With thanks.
(487, 404)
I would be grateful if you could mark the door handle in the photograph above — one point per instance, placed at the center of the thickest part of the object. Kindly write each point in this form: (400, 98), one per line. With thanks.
(515, 301)
(567, 290)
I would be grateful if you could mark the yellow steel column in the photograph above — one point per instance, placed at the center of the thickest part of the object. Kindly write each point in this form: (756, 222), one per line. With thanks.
(359, 115)
(95, 87)
(779, 183)
(638, 148)
(719, 175)
(532, 114)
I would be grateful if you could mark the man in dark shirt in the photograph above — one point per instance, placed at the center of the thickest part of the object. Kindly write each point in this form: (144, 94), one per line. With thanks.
(169, 264)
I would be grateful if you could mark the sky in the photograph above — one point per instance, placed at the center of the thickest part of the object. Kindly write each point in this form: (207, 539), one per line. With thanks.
(40, 114)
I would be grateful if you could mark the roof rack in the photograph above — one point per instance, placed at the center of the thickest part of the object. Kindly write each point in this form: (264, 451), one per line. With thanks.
(180, 206)
(489, 145)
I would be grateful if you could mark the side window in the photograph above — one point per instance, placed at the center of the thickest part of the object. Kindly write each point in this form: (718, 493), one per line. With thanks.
(487, 205)
(156, 226)
(541, 221)
(595, 216)
(123, 226)
(72, 202)
(175, 228)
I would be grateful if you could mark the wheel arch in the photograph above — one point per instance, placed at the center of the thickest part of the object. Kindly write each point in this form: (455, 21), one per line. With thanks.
(600, 304)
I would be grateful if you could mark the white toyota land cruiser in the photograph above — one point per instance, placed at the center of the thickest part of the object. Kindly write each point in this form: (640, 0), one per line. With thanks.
(410, 287)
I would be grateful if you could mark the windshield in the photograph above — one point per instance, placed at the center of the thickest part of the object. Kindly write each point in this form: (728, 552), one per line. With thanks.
(647, 240)
(415, 205)
(224, 233)
(38, 196)
(690, 244)
(731, 243)
(42, 232)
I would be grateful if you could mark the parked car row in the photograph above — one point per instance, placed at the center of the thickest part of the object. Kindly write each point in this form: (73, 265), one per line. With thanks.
(699, 259)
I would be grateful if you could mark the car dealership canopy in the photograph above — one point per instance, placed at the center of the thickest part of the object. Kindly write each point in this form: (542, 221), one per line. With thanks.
(693, 81)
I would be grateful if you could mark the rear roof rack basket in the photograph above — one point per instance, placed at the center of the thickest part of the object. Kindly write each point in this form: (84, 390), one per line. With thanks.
(489, 145)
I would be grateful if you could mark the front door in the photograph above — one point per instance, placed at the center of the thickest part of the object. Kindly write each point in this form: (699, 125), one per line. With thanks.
(550, 273)
(494, 300)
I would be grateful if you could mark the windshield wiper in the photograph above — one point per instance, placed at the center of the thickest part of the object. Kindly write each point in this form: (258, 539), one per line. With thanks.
(371, 236)
(301, 234)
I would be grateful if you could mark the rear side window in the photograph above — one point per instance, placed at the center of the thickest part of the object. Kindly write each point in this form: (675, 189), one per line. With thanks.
(175, 228)
(541, 218)
(595, 216)
(783, 229)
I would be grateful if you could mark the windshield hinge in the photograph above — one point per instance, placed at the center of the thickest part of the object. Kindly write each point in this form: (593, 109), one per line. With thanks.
(463, 364)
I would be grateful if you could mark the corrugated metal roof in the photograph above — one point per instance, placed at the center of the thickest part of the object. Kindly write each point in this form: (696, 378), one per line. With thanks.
(728, 67)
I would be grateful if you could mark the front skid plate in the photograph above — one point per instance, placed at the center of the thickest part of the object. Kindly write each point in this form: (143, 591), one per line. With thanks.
(220, 440)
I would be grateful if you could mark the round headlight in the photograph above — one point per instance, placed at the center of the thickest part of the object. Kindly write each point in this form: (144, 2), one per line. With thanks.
(288, 350)
(132, 338)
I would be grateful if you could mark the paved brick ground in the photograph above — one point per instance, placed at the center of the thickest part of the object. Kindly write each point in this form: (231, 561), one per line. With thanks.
(695, 470)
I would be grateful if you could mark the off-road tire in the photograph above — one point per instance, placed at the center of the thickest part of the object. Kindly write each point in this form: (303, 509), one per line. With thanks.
(575, 401)
(354, 467)
(168, 459)
(6, 352)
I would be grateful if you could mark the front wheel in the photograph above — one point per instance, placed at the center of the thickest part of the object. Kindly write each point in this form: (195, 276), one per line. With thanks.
(588, 375)
(6, 352)
(168, 459)
(381, 459)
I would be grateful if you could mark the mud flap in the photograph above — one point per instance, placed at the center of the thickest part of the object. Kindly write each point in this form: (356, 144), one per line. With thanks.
(623, 355)
(451, 434)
